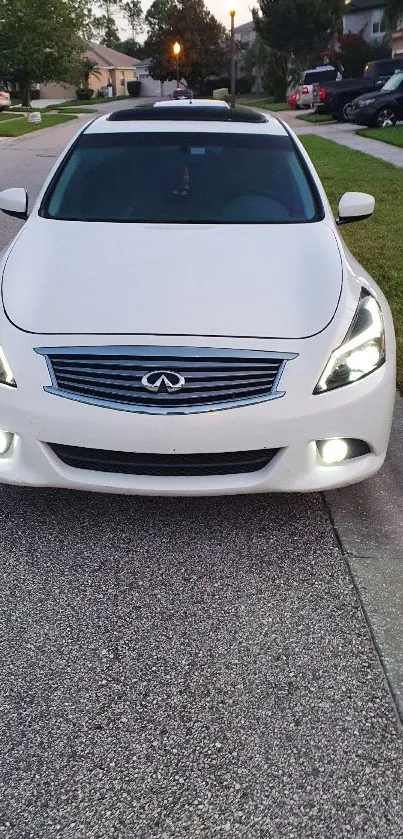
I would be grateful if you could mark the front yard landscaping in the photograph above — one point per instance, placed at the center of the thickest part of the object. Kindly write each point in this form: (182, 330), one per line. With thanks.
(20, 125)
(377, 243)
(393, 136)
(316, 117)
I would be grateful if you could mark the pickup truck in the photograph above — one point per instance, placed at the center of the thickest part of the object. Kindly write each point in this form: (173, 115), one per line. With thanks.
(335, 98)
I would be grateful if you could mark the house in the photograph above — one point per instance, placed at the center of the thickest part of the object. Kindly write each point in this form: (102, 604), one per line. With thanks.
(245, 34)
(397, 41)
(150, 86)
(113, 68)
(366, 17)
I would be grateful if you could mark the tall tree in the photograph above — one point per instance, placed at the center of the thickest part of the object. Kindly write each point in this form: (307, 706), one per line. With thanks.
(201, 37)
(40, 41)
(133, 13)
(157, 16)
(105, 31)
(105, 24)
(300, 28)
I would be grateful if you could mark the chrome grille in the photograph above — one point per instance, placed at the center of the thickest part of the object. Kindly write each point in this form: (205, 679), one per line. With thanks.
(214, 378)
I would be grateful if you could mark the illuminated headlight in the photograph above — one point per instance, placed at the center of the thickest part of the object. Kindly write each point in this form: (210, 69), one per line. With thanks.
(6, 376)
(362, 351)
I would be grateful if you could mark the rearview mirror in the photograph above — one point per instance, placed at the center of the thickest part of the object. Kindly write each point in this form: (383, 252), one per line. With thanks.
(14, 202)
(355, 206)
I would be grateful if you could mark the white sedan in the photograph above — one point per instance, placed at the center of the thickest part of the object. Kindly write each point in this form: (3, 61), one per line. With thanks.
(180, 316)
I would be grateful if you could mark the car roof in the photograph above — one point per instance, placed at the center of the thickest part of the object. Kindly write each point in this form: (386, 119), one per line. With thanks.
(206, 118)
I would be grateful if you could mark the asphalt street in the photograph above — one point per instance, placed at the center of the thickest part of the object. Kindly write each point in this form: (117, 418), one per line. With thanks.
(184, 669)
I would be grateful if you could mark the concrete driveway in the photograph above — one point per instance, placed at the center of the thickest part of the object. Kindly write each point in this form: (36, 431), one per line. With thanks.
(194, 668)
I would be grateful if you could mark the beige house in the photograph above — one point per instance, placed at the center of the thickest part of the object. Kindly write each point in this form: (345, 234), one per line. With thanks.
(113, 68)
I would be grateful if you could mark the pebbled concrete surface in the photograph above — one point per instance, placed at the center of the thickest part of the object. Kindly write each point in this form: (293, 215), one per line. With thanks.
(174, 669)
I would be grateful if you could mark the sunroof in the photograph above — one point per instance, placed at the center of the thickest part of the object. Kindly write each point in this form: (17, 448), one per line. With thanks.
(187, 113)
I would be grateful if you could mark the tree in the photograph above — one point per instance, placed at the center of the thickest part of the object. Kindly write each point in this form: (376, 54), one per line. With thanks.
(105, 24)
(157, 16)
(39, 41)
(105, 31)
(353, 53)
(134, 15)
(300, 28)
(393, 13)
(200, 34)
(86, 68)
(133, 48)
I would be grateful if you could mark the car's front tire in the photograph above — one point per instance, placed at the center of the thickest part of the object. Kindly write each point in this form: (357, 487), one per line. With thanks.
(386, 117)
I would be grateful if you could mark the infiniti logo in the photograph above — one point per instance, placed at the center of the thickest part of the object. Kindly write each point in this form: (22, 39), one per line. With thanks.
(160, 380)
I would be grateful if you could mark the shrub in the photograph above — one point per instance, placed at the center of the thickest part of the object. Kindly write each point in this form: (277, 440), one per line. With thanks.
(84, 93)
(35, 94)
(133, 88)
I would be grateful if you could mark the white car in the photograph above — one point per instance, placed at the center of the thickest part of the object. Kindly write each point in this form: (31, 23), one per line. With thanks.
(318, 75)
(5, 99)
(181, 317)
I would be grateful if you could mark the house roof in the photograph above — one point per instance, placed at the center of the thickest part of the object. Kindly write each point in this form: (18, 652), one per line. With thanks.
(362, 6)
(106, 57)
(245, 27)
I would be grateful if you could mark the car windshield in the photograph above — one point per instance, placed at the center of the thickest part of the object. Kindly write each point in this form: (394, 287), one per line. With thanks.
(183, 177)
(394, 82)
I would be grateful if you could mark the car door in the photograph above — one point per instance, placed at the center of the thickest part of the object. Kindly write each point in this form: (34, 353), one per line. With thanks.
(399, 101)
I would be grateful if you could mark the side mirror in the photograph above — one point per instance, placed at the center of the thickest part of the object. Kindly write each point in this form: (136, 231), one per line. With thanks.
(355, 206)
(14, 202)
(380, 83)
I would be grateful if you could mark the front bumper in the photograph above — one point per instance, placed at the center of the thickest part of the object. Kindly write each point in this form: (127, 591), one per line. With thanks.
(292, 423)
(362, 116)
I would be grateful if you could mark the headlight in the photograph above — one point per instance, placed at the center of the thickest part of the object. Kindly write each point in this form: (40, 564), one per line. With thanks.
(362, 351)
(365, 102)
(6, 376)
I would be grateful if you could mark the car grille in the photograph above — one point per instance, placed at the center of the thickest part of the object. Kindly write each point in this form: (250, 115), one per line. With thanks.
(164, 465)
(214, 378)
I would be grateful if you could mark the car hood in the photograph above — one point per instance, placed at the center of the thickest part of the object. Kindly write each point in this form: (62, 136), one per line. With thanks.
(370, 94)
(279, 281)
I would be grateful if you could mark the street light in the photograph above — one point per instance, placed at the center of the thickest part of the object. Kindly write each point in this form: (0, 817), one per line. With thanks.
(176, 49)
(232, 74)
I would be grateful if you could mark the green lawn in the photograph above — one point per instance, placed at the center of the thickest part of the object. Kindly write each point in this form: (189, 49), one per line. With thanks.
(14, 128)
(4, 115)
(393, 136)
(268, 106)
(316, 117)
(377, 243)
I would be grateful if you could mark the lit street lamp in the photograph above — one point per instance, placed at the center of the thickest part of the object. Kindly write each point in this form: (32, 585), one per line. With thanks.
(176, 49)
(232, 74)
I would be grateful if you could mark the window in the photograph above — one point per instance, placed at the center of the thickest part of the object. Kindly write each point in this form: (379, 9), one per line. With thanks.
(183, 177)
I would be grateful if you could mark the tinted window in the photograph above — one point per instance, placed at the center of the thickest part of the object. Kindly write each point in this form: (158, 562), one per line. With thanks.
(382, 68)
(313, 76)
(183, 177)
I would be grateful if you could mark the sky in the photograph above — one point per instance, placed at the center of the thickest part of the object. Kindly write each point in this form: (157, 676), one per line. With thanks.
(221, 9)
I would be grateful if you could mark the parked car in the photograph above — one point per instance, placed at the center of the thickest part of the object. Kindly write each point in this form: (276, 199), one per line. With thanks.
(182, 93)
(148, 345)
(335, 98)
(381, 107)
(5, 98)
(292, 98)
(317, 75)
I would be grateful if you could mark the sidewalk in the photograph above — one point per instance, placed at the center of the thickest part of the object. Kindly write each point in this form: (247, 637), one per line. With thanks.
(345, 134)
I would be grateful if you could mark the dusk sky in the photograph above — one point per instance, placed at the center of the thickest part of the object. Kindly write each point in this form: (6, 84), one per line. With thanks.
(220, 9)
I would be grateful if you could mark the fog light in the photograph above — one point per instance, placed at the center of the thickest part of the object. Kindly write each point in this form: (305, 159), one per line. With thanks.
(333, 451)
(6, 441)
